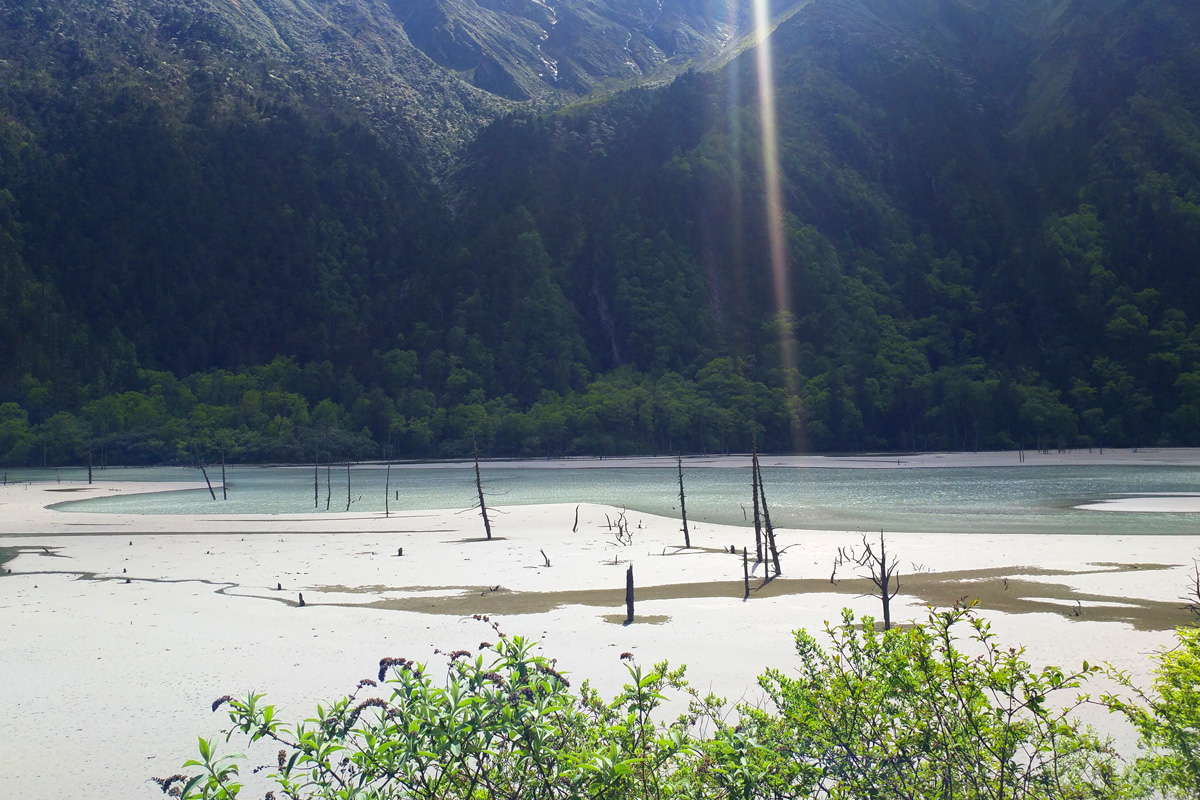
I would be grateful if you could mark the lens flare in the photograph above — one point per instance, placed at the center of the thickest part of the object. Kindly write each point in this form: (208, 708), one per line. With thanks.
(774, 202)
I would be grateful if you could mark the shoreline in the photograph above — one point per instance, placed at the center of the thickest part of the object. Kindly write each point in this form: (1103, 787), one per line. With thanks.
(1166, 456)
(122, 629)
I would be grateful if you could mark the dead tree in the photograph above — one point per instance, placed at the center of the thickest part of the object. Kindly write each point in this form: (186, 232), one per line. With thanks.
(387, 488)
(224, 485)
(881, 572)
(769, 528)
(623, 536)
(629, 595)
(207, 481)
(328, 482)
(487, 524)
(687, 539)
(89, 464)
(758, 548)
(746, 572)
(316, 477)
(1191, 600)
(347, 485)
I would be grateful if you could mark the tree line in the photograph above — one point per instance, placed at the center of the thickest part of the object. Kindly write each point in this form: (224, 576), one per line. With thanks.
(288, 413)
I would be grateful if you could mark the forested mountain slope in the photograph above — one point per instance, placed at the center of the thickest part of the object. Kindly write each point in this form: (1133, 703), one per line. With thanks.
(275, 228)
(991, 218)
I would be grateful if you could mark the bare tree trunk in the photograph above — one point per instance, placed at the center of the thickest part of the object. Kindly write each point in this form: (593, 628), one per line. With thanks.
(1191, 600)
(316, 477)
(754, 479)
(387, 488)
(224, 485)
(629, 595)
(883, 582)
(746, 572)
(206, 480)
(89, 465)
(487, 524)
(347, 485)
(687, 539)
(770, 529)
(882, 573)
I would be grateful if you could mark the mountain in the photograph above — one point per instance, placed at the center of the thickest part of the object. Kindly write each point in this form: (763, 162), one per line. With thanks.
(348, 58)
(399, 221)
(522, 49)
(989, 211)
(426, 75)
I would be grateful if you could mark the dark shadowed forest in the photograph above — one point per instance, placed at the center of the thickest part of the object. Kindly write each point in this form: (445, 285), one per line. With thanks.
(219, 237)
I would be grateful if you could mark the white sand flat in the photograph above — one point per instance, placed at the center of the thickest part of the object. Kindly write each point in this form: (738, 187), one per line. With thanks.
(107, 683)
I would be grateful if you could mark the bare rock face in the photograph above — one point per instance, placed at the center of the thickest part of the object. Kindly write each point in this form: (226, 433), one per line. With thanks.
(523, 49)
(427, 75)
(491, 76)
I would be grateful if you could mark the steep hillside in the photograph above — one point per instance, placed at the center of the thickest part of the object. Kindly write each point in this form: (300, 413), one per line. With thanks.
(527, 49)
(989, 240)
(351, 58)
(234, 222)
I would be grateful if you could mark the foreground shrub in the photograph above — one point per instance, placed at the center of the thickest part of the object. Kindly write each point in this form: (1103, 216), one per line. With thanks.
(907, 713)
(1169, 720)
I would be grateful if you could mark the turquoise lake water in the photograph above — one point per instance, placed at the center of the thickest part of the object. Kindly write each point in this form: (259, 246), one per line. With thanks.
(1032, 499)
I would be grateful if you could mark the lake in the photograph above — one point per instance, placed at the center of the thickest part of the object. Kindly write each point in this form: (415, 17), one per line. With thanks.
(995, 499)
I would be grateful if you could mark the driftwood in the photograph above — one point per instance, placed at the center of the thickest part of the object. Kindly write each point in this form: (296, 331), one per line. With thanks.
(623, 535)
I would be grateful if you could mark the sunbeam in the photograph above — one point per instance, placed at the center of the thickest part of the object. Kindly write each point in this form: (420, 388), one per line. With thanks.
(774, 203)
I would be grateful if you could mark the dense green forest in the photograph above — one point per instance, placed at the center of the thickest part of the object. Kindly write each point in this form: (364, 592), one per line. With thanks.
(210, 245)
